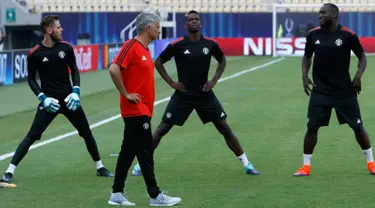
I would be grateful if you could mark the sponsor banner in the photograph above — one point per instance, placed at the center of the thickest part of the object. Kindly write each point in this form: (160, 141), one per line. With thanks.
(6, 71)
(111, 53)
(87, 57)
(260, 46)
(20, 71)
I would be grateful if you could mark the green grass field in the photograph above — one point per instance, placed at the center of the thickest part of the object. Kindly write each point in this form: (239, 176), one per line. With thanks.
(266, 109)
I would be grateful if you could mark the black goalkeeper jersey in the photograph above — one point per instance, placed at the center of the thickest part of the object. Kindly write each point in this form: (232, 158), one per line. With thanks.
(53, 66)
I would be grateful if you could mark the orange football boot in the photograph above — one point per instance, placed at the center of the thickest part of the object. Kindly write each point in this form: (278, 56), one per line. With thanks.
(305, 171)
(371, 167)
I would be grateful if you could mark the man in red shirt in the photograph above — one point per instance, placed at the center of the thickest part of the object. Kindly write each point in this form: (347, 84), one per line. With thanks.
(132, 72)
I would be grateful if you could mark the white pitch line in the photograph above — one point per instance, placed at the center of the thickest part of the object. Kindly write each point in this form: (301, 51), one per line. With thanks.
(110, 119)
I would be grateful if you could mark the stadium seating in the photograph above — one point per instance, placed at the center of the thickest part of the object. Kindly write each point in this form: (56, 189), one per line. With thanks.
(180, 5)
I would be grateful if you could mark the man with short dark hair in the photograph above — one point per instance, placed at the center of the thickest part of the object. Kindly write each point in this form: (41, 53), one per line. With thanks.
(193, 54)
(51, 59)
(331, 45)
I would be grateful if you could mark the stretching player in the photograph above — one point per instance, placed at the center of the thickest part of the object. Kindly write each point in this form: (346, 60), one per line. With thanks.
(193, 90)
(332, 45)
(51, 59)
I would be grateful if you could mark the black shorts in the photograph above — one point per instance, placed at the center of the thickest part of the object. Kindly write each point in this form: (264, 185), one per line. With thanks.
(320, 109)
(207, 107)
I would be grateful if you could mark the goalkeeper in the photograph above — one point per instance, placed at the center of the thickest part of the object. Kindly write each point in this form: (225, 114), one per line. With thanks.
(51, 59)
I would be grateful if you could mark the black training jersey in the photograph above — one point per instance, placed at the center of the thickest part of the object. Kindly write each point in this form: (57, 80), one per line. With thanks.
(52, 65)
(193, 59)
(332, 53)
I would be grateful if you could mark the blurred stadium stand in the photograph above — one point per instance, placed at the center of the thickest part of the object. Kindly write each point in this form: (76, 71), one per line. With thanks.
(176, 5)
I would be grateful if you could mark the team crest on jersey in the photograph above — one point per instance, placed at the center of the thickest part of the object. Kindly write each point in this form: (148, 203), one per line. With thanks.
(168, 115)
(61, 54)
(205, 50)
(146, 126)
(338, 42)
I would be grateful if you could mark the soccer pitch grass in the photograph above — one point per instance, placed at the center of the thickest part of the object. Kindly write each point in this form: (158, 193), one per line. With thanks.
(267, 111)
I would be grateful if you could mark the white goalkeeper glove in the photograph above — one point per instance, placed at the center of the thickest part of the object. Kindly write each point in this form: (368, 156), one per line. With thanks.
(50, 104)
(73, 100)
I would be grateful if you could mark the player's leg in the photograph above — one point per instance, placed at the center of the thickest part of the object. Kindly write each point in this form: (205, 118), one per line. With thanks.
(176, 113)
(78, 119)
(141, 136)
(348, 111)
(210, 110)
(124, 162)
(318, 115)
(41, 121)
(162, 129)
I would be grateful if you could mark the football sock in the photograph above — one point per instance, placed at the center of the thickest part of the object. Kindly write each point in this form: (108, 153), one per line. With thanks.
(243, 159)
(307, 159)
(368, 154)
(99, 164)
(11, 169)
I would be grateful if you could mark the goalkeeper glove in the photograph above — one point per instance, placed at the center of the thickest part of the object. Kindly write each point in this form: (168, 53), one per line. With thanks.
(72, 99)
(51, 105)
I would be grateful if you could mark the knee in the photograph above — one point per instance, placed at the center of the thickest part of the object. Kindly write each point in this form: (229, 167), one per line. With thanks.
(224, 129)
(163, 129)
(86, 134)
(358, 128)
(34, 135)
(312, 130)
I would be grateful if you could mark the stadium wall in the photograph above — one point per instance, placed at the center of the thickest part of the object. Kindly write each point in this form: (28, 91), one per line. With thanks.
(106, 27)
(13, 64)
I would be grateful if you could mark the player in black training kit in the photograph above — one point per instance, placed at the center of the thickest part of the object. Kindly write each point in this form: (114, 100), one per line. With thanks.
(193, 54)
(51, 59)
(332, 88)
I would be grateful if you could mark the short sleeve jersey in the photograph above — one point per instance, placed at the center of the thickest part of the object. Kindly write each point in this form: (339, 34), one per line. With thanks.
(52, 65)
(193, 59)
(332, 53)
(137, 71)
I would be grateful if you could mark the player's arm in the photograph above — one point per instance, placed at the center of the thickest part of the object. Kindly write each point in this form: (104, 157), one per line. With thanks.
(49, 104)
(74, 68)
(73, 99)
(357, 49)
(31, 79)
(164, 57)
(222, 62)
(306, 64)
(121, 62)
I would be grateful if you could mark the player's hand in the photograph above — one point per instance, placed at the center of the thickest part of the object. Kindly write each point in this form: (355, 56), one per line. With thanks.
(133, 97)
(51, 105)
(357, 86)
(209, 85)
(73, 100)
(307, 85)
(178, 86)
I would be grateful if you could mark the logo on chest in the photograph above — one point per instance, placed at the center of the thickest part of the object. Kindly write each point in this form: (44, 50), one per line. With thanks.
(205, 50)
(338, 42)
(62, 54)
